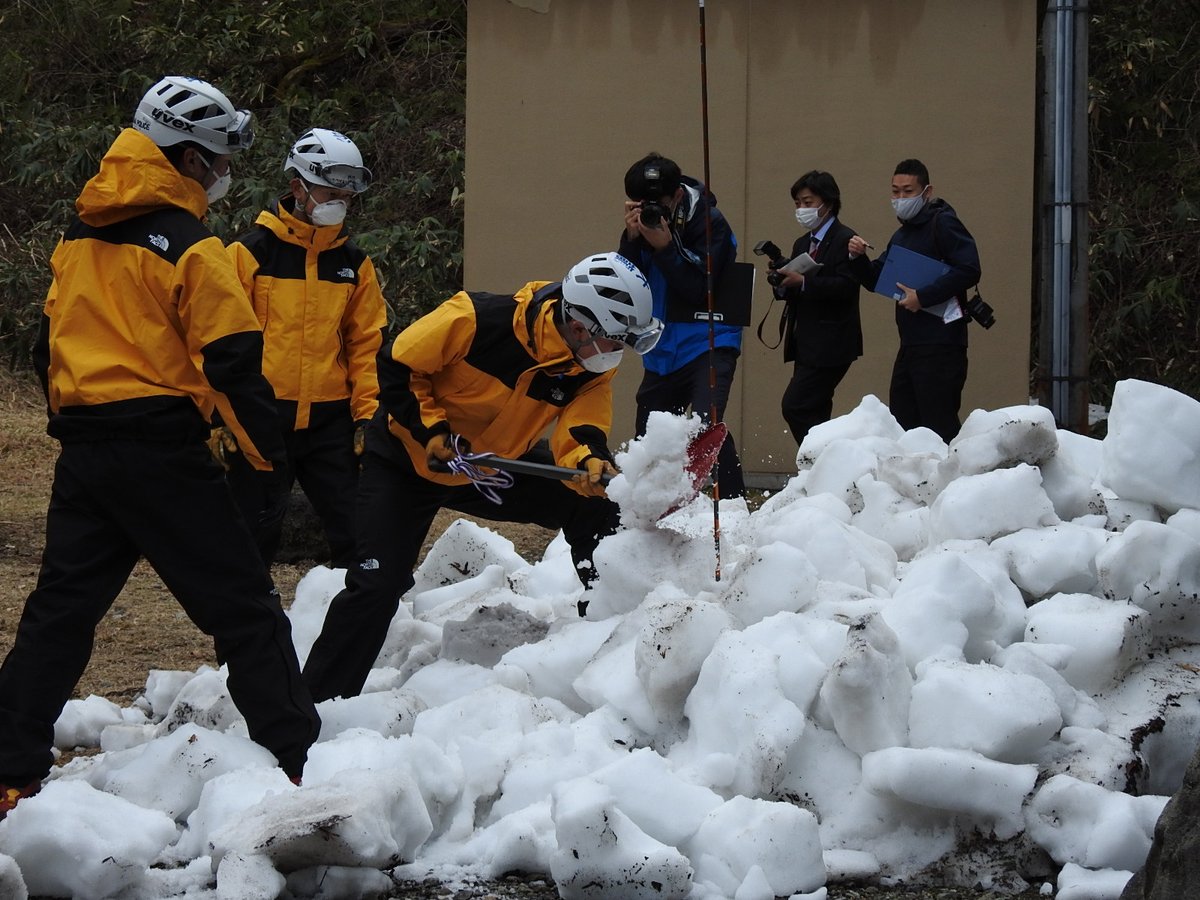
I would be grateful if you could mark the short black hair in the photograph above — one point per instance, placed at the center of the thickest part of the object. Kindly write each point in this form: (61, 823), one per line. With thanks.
(913, 167)
(823, 185)
(652, 177)
(174, 152)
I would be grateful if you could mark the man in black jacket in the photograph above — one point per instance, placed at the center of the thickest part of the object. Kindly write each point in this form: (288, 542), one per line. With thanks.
(931, 364)
(820, 327)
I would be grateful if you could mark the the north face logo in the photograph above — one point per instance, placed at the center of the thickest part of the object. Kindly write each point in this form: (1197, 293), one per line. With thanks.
(557, 395)
(346, 272)
(159, 241)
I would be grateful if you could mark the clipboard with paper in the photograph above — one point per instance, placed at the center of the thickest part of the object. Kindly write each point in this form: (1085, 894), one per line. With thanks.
(918, 271)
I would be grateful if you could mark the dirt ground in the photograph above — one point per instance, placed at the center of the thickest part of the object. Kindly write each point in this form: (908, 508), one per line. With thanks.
(146, 629)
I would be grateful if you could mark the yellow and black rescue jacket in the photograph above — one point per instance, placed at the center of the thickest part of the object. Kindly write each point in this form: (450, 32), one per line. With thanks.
(317, 298)
(494, 369)
(146, 327)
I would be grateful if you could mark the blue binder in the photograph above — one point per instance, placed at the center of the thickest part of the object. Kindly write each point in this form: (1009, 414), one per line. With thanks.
(917, 271)
(907, 267)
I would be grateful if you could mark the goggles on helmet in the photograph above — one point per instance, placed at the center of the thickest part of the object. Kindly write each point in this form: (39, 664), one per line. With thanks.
(343, 176)
(640, 339)
(240, 133)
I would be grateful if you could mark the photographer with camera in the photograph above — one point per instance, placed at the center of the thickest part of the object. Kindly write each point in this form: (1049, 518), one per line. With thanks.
(819, 328)
(931, 364)
(665, 237)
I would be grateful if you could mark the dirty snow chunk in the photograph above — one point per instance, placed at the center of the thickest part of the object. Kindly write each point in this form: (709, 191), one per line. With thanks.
(1057, 559)
(646, 787)
(1158, 568)
(1074, 492)
(869, 419)
(359, 819)
(602, 853)
(110, 842)
(390, 713)
(1022, 714)
(462, 551)
(677, 636)
(742, 724)
(1139, 410)
(742, 835)
(248, 877)
(842, 462)
(992, 504)
(162, 687)
(223, 800)
(610, 678)
(490, 632)
(892, 517)
(956, 781)
(1107, 637)
(1000, 439)
(553, 663)
(340, 882)
(867, 691)
(192, 754)
(81, 721)
(654, 477)
(1077, 822)
(203, 701)
(1077, 883)
(755, 591)
(632, 563)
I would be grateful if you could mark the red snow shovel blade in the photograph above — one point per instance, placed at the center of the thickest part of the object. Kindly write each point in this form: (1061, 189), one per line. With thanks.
(702, 453)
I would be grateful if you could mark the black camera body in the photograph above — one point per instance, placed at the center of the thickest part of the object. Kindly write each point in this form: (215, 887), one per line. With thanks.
(653, 212)
(775, 260)
(979, 310)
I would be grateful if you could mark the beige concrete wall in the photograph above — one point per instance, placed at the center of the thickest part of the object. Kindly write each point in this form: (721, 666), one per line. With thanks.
(560, 102)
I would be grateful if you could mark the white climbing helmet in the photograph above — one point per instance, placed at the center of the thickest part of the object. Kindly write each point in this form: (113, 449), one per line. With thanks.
(607, 293)
(329, 158)
(180, 108)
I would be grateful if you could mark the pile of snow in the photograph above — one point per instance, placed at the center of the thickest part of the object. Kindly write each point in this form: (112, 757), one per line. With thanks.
(973, 664)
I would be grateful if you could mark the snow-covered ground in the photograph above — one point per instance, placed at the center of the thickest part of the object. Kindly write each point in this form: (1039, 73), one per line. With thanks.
(917, 660)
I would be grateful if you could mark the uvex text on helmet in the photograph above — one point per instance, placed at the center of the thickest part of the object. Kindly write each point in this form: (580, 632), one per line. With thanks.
(326, 157)
(607, 293)
(179, 108)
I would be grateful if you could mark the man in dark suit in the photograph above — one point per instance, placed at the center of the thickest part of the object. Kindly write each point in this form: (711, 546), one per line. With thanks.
(820, 329)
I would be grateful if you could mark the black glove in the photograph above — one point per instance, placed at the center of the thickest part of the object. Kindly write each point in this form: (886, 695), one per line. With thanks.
(276, 487)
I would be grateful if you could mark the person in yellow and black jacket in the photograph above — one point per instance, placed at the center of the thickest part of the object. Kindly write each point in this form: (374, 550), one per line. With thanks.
(323, 316)
(488, 373)
(145, 329)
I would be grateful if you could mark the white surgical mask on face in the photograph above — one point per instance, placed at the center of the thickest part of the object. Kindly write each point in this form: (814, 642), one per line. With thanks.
(219, 188)
(331, 212)
(808, 216)
(602, 362)
(907, 207)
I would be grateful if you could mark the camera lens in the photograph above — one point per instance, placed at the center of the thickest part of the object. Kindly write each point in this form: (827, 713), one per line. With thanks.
(652, 213)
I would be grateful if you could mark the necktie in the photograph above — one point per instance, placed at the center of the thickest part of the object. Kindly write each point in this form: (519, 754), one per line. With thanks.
(812, 248)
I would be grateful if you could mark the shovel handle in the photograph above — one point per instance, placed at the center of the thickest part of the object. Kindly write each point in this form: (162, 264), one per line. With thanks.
(526, 467)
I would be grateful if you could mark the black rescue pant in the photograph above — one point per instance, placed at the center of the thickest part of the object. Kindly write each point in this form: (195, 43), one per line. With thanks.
(926, 389)
(688, 387)
(111, 503)
(808, 398)
(395, 508)
(321, 457)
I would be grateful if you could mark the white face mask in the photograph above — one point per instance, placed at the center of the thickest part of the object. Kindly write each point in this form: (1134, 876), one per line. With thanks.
(808, 216)
(602, 362)
(907, 207)
(219, 188)
(331, 212)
